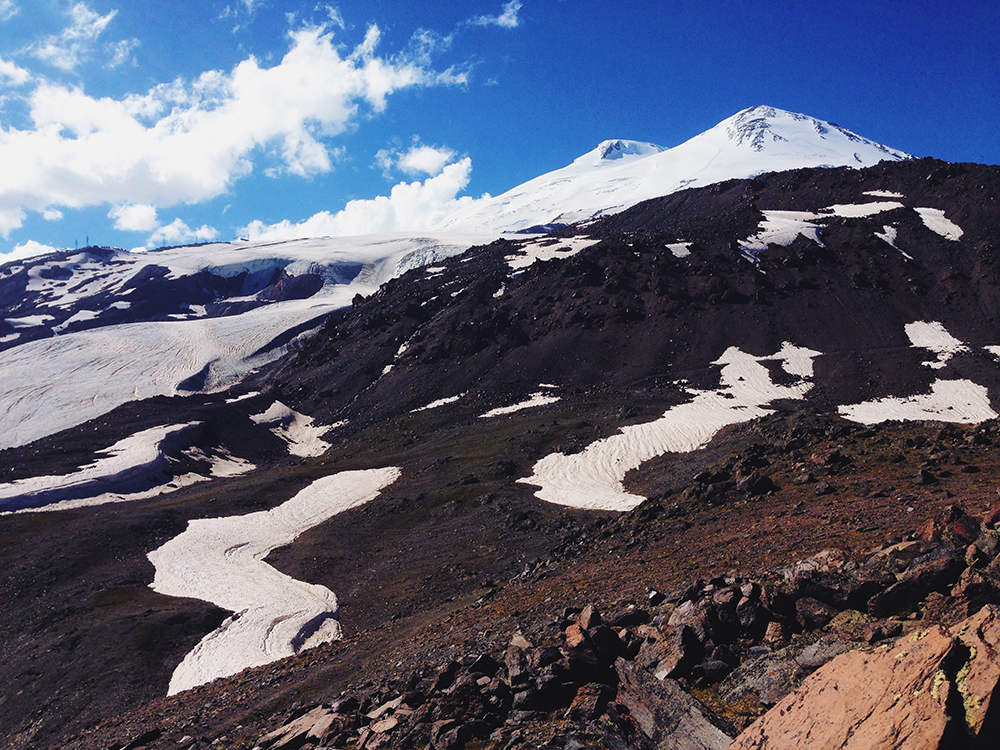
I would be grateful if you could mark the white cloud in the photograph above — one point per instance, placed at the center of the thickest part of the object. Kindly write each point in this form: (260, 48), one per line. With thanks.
(189, 141)
(121, 52)
(418, 160)
(67, 49)
(134, 217)
(413, 206)
(507, 19)
(8, 9)
(51, 214)
(12, 73)
(179, 233)
(242, 9)
(27, 249)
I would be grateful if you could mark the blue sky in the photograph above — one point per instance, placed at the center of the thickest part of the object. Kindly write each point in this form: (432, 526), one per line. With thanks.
(142, 124)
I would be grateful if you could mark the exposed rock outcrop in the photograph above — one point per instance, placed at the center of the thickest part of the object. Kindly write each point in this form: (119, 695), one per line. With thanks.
(933, 689)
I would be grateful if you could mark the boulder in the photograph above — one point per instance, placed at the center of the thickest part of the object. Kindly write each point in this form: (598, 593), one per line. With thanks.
(766, 678)
(935, 571)
(314, 726)
(933, 690)
(666, 715)
(674, 655)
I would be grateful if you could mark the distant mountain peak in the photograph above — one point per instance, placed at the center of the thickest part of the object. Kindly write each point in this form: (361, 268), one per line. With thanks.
(618, 149)
(620, 173)
(760, 125)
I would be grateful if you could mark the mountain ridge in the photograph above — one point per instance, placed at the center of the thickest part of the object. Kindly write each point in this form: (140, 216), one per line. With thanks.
(839, 325)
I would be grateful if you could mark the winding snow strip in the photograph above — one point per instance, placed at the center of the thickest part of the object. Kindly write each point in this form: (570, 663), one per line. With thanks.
(128, 463)
(296, 429)
(536, 399)
(220, 560)
(960, 401)
(933, 336)
(592, 479)
(935, 221)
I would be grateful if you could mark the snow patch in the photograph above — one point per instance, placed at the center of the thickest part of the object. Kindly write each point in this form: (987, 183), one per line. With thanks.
(244, 397)
(220, 560)
(29, 321)
(592, 479)
(296, 429)
(861, 210)
(535, 251)
(680, 249)
(883, 194)
(126, 466)
(781, 228)
(536, 399)
(960, 401)
(888, 235)
(934, 220)
(78, 317)
(439, 402)
(933, 336)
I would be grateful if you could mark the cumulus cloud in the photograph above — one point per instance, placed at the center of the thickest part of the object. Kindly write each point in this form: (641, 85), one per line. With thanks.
(67, 49)
(410, 206)
(13, 74)
(188, 141)
(51, 214)
(179, 233)
(134, 217)
(418, 160)
(27, 249)
(507, 19)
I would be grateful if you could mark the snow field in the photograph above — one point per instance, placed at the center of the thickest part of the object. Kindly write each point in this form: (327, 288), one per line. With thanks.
(959, 401)
(133, 454)
(592, 479)
(220, 560)
(130, 459)
(933, 336)
(56, 383)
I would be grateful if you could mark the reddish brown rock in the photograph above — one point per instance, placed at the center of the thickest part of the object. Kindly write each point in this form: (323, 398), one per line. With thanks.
(931, 690)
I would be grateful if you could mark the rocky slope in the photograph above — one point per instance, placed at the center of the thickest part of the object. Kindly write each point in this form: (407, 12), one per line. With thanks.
(882, 281)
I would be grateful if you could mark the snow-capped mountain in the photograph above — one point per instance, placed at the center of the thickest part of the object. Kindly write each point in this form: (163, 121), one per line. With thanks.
(87, 331)
(619, 174)
(418, 459)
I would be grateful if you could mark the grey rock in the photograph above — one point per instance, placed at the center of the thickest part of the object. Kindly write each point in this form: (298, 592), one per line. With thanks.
(667, 716)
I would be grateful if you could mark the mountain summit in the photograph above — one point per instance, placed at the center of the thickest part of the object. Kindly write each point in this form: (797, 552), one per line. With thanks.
(618, 174)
